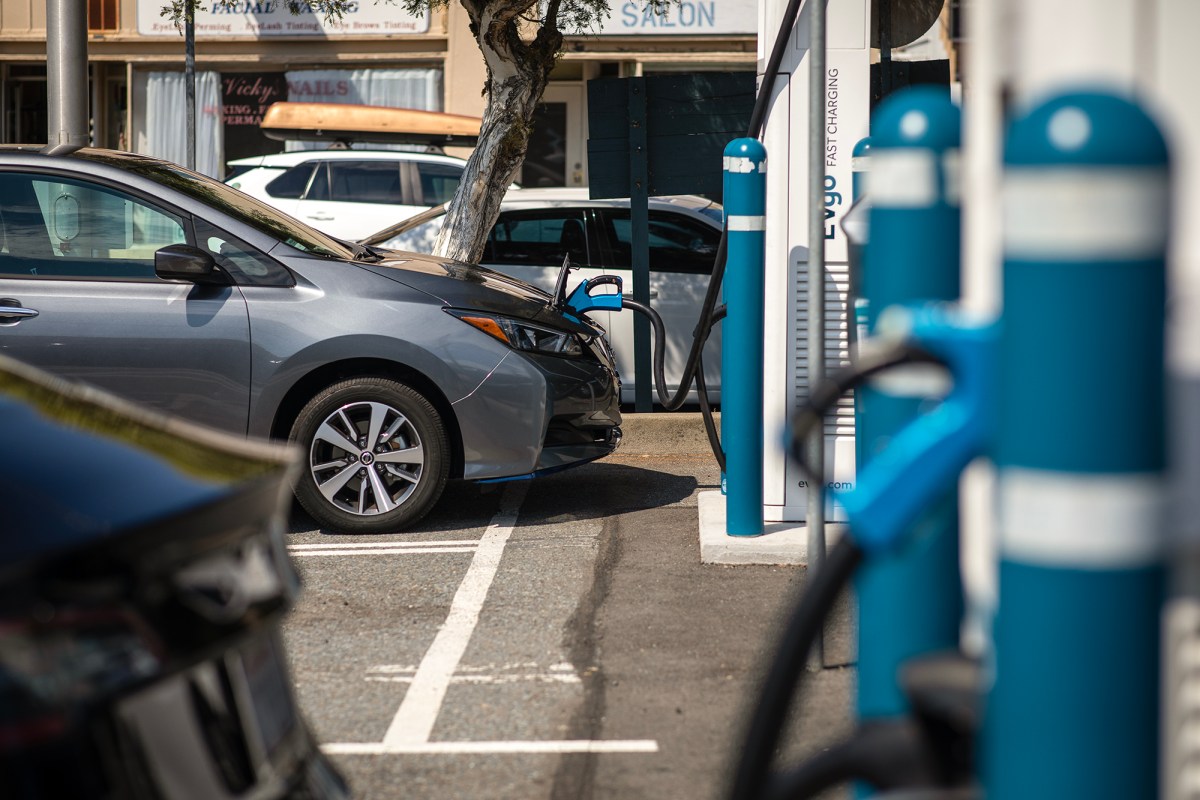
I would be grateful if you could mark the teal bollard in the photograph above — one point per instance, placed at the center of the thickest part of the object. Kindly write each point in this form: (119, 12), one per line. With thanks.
(745, 197)
(910, 599)
(1080, 456)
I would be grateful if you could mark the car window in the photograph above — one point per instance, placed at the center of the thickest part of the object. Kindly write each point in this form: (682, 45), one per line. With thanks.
(363, 182)
(62, 228)
(438, 183)
(677, 243)
(234, 170)
(714, 212)
(538, 238)
(227, 200)
(240, 260)
(292, 183)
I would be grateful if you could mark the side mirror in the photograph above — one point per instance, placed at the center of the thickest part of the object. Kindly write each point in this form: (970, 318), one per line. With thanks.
(182, 262)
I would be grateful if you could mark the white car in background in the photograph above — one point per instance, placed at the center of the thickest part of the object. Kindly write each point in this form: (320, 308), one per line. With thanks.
(538, 227)
(349, 193)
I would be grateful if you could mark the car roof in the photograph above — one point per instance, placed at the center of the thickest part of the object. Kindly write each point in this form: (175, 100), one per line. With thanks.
(295, 157)
(103, 155)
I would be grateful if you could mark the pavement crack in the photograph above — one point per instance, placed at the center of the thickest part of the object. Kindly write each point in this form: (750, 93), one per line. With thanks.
(573, 780)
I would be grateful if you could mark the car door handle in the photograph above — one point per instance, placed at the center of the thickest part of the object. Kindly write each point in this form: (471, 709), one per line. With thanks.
(11, 311)
(321, 218)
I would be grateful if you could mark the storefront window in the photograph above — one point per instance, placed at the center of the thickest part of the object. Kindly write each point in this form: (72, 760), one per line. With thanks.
(159, 119)
(245, 98)
(102, 15)
(546, 160)
(229, 108)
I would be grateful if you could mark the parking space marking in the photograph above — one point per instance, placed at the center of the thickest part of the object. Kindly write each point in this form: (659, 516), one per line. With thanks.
(548, 747)
(422, 702)
(410, 729)
(382, 548)
(492, 674)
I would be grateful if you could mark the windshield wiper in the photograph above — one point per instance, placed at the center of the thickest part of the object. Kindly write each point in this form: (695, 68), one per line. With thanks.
(364, 252)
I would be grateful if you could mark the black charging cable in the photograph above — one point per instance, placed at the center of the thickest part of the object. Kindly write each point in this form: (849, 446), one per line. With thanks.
(754, 779)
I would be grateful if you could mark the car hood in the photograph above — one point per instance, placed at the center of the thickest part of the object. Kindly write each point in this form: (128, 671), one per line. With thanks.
(460, 285)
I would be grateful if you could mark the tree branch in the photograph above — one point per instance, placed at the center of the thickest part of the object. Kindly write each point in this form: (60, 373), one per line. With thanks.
(508, 10)
(551, 20)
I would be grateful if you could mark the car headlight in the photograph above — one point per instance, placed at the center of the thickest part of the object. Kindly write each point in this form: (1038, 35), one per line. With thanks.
(522, 335)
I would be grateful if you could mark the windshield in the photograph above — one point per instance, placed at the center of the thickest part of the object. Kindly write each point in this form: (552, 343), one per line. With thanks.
(229, 201)
(419, 229)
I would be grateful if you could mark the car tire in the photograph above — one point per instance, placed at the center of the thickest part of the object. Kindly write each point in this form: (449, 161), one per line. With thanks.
(378, 489)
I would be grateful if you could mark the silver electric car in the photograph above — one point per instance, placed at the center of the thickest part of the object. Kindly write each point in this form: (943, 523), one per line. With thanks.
(392, 372)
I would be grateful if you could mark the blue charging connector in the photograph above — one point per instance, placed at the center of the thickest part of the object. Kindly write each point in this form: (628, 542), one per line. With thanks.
(581, 301)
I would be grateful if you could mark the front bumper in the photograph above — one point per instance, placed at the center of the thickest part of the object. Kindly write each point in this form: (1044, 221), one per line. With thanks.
(557, 457)
(539, 414)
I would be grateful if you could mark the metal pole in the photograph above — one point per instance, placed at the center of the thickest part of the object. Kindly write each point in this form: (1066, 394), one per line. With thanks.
(815, 513)
(66, 75)
(639, 224)
(189, 80)
(745, 184)
(127, 142)
(100, 106)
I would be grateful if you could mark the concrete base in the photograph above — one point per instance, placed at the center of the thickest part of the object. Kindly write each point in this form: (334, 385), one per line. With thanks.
(781, 542)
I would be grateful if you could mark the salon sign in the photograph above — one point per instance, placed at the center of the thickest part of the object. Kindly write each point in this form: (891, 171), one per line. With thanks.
(265, 18)
(681, 18)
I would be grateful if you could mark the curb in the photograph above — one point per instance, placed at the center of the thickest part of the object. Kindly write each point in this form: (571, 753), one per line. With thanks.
(782, 543)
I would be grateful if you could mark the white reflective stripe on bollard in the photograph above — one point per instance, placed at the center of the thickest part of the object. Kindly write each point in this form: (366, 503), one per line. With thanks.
(1081, 520)
(1085, 214)
(741, 165)
(903, 177)
(747, 223)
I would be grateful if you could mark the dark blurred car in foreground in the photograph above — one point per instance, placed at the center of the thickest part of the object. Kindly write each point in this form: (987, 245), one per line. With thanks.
(143, 580)
(392, 372)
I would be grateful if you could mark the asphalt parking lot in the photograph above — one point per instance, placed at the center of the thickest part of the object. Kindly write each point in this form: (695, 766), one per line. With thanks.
(557, 638)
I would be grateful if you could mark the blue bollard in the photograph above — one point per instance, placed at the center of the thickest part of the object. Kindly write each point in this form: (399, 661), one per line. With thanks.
(1073, 707)
(745, 201)
(910, 600)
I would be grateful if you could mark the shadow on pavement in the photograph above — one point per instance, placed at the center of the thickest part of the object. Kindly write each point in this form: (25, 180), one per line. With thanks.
(591, 491)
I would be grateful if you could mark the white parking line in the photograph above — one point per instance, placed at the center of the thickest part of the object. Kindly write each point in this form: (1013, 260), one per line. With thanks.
(493, 674)
(393, 551)
(414, 720)
(549, 747)
(382, 548)
(410, 729)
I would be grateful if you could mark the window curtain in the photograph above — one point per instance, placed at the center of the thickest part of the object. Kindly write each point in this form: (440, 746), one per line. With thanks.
(163, 133)
(419, 89)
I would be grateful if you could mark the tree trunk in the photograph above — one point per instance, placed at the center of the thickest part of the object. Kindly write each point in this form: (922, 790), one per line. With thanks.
(517, 75)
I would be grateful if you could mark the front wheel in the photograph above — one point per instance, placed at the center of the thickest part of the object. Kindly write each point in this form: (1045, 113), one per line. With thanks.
(377, 456)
